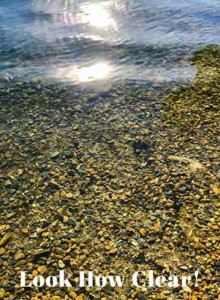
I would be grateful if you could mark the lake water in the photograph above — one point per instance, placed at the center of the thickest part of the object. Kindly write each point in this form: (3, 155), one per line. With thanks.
(104, 41)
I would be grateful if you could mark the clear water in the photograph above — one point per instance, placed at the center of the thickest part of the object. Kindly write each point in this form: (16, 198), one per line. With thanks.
(93, 42)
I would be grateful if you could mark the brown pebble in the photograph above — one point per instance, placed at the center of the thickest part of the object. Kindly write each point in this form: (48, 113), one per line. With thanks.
(19, 256)
(42, 269)
(142, 232)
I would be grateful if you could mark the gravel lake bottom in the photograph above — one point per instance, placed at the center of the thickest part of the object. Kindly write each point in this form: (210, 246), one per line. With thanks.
(113, 182)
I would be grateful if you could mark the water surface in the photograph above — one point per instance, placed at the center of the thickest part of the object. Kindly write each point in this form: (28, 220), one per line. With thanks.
(104, 41)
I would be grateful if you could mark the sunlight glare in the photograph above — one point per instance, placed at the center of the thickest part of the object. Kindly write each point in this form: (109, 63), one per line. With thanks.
(95, 72)
(96, 15)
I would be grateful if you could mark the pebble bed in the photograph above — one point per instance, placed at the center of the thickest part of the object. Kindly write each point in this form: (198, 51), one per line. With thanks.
(112, 182)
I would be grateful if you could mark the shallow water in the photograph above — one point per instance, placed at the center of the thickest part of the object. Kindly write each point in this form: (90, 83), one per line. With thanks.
(95, 42)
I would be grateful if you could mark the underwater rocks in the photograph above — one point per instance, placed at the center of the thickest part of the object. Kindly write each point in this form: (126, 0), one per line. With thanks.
(114, 187)
(197, 105)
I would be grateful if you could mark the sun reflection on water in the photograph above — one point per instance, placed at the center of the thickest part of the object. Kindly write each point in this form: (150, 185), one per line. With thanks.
(80, 21)
(92, 73)
(95, 72)
(97, 15)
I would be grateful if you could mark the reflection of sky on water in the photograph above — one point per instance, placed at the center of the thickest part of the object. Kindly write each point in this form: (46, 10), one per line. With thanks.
(97, 15)
(96, 71)
(136, 21)
(93, 40)
(90, 20)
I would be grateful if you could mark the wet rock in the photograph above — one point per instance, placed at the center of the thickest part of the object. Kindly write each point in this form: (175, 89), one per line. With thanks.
(42, 270)
(54, 155)
(19, 256)
(5, 239)
(140, 259)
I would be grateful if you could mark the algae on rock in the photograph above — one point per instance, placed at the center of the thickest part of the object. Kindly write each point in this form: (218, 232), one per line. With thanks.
(197, 105)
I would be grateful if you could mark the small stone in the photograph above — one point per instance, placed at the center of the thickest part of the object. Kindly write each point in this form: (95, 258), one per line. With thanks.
(2, 251)
(14, 185)
(34, 273)
(45, 234)
(39, 230)
(42, 269)
(19, 256)
(215, 227)
(61, 264)
(78, 107)
(65, 219)
(80, 297)
(69, 154)
(140, 259)
(133, 295)
(198, 245)
(5, 239)
(161, 263)
(7, 183)
(63, 193)
(215, 188)
(33, 235)
(2, 293)
(78, 226)
(54, 154)
(73, 295)
(41, 252)
(142, 232)
(71, 222)
(169, 204)
(69, 195)
(182, 189)
(187, 289)
(134, 243)
(8, 154)
(62, 178)
(20, 171)
(53, 182)
(24, 230)
(113, 251)
(82, 259)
